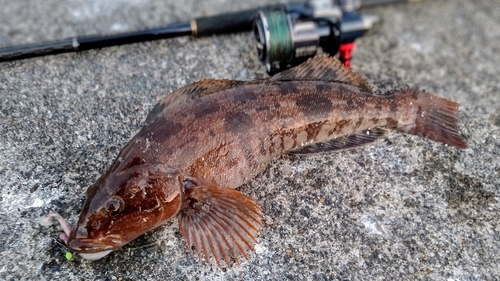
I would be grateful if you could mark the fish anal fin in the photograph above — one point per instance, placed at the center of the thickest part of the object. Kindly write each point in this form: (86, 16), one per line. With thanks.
(323, 68)
(342, 143)
(221, 223)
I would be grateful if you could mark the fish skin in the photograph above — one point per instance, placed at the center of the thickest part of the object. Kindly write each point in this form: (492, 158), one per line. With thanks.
(258, 121)
(222, 133)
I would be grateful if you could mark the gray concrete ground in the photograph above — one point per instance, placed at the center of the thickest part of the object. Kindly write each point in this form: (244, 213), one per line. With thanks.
(403, 209)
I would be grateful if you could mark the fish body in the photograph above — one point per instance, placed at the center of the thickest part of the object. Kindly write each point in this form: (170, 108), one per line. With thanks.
(228, 137)
(204, 140)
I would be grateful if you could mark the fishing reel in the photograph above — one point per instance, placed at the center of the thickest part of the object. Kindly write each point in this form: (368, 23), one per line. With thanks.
(290, 34)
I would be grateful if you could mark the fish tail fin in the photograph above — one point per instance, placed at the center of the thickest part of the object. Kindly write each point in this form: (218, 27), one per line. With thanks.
(437, 119)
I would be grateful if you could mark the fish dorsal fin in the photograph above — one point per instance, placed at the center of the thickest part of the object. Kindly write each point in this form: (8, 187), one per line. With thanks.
(220, 222)
(189, 92)
(355, 140)
(323, 68)
(198, 89)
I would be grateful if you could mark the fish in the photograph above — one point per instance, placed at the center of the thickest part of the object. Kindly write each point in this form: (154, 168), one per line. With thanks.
(203, 141)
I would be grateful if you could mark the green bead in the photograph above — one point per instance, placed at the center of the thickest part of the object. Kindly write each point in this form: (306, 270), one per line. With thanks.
(69, 255)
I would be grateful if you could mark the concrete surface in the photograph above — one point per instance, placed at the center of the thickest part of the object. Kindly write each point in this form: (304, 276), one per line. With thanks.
(403, 209)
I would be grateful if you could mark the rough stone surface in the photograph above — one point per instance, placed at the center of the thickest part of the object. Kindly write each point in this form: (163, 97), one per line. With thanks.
(405, 208)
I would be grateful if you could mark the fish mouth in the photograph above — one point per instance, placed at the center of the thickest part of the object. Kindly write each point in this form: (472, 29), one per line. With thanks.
(107, 244)
(95, 256)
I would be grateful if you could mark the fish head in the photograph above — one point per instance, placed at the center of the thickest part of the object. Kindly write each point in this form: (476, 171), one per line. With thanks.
(124, 204)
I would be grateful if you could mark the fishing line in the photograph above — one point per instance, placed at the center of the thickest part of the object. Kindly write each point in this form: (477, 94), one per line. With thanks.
(280, 44)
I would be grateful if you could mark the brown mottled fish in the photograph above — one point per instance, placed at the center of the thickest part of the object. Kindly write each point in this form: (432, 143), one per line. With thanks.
(204, 140)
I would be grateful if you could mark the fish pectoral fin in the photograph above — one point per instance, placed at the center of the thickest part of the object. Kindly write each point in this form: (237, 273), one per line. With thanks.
(323, 68)
(342, 143)
(220, 222)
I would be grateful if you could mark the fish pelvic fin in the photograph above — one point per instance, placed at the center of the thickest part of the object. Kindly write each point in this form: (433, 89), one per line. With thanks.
(323, 68)
(437, 119)
(219, 222)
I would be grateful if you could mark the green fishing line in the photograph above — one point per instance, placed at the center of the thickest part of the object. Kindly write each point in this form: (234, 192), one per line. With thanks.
(280, 41)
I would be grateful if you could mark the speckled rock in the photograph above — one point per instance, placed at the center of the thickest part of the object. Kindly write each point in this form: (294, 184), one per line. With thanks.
(405, 208)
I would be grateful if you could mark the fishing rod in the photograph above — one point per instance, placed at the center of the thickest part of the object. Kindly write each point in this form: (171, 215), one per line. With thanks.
(203, 26)
(286, 34)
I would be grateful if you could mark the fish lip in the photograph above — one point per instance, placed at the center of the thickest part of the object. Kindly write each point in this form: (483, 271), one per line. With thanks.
(95, 245)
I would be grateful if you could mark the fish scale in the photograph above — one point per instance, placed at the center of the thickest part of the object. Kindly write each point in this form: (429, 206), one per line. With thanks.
(263, 135)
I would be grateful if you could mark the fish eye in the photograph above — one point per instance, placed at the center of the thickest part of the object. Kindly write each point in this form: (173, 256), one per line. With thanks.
(114, 206)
